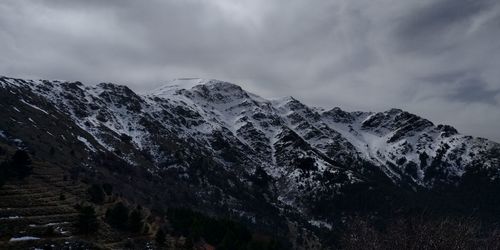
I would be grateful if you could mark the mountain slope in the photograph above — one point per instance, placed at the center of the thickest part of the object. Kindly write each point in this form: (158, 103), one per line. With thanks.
(218, 147)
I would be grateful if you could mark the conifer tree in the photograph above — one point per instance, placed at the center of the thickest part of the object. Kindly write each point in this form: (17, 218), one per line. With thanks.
(87, 220)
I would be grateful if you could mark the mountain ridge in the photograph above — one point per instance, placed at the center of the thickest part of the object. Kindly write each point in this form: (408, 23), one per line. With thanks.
(373, 134)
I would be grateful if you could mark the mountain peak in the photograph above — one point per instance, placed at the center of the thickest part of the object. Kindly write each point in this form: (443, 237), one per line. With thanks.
(218, 85)
(196, 84)
(284, 100)
(339, 115)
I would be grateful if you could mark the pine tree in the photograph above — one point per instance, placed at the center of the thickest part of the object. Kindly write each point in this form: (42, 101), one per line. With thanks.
(96, 194)
(20, 164)
(3, 173)
(135, 222)
(160, 237)
(117, 216)
(107, 188)
(87, 220)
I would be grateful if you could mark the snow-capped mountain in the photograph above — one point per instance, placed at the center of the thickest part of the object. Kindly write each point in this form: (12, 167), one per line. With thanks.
(235, 150)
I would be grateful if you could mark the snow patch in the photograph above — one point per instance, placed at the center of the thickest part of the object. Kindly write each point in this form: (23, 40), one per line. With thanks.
(86, 142)
(12, 217)
(35, 107)
(320, 224)
(23, 238)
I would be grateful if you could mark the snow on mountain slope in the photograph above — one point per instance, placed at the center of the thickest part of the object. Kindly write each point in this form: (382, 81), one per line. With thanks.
(402, 144)
(273, 134)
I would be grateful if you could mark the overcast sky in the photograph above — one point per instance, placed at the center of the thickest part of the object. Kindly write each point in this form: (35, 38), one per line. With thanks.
(437, 58)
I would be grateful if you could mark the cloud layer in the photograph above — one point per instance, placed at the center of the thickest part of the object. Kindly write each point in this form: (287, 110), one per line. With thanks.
(438, 58)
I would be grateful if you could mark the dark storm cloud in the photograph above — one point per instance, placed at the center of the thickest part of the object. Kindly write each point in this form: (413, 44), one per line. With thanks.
(468, 88)
(436, 58)
(475, 90)
(430, 25)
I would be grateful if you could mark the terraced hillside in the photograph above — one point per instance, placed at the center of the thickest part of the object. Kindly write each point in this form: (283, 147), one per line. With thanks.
(41, 210)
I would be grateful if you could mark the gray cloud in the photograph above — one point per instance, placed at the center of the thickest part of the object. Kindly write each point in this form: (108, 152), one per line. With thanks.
(467, 88)
(437, 58)
(432, 26)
